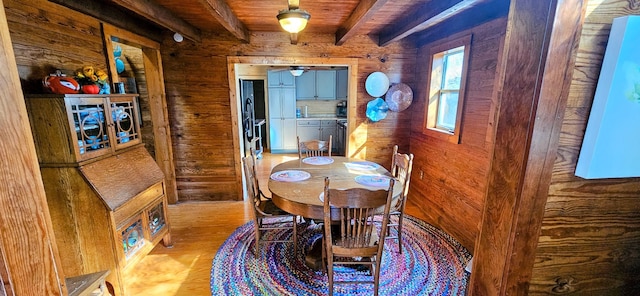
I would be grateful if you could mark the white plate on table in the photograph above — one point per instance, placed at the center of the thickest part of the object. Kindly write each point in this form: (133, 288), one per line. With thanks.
(318, 160)
(362, 165)
(373, 180)
(290, 176)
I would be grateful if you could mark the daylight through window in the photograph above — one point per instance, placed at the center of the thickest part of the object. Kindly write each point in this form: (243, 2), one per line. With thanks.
(446, 88)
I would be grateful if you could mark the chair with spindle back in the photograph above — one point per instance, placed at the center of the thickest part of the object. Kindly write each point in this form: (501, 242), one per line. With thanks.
(401, 166)
(263, 208)
(357, 241)
(314, 148)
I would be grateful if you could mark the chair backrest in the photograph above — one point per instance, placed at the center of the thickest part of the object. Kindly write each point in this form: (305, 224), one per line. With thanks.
(355, 210)
(401, 166)
(253, 189)
(314, 148)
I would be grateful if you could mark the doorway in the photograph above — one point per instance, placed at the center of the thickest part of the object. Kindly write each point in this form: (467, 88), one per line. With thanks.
(253, 115)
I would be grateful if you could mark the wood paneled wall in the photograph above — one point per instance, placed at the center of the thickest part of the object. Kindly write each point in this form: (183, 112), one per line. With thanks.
(449, 180)
(48, 36)
(590, 238)
(200, 114)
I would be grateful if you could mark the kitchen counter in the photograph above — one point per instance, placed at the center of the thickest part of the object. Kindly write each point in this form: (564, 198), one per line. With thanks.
(322, 117)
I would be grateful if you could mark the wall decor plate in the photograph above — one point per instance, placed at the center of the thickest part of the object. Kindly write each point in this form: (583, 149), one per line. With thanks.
(318, 160)
(362, 166)
(373, 180)
(399, 97)
(377, 109)
(290, 176)
(377, 84)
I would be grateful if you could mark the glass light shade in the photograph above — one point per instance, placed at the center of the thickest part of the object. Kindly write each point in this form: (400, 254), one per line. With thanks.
(297, 72)
(293, 21)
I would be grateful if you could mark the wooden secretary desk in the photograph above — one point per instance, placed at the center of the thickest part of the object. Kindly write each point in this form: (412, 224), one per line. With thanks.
(104, 190)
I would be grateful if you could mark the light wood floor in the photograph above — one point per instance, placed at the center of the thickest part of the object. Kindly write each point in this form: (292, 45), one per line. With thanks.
(198, 229)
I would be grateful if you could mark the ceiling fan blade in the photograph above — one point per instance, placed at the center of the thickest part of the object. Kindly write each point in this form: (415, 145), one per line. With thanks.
(294, 4)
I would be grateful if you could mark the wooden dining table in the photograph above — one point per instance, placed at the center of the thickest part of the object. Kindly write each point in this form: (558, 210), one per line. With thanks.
(303, 197)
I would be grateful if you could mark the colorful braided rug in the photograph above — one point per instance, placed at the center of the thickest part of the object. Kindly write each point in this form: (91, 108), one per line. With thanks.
(431, 263)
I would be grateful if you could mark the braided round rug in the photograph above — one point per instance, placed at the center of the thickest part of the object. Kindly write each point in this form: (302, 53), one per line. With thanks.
(431, 263)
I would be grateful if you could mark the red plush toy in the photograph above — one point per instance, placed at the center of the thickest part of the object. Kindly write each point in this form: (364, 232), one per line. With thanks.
(59, 84)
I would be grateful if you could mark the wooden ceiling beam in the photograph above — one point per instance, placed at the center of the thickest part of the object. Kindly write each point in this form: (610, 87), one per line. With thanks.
(105, 12)
(161, 16)
(425, 17)
(225, 16)
(361, 14)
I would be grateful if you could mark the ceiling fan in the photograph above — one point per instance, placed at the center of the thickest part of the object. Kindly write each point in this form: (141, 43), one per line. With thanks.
(295, 70)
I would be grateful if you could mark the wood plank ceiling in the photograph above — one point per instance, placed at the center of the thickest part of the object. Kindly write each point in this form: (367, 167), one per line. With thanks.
(391, 20)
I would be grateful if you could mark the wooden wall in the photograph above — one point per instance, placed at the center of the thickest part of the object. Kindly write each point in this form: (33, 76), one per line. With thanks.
(449, 180)
(47, 37)
(590, 238)
(200, 114)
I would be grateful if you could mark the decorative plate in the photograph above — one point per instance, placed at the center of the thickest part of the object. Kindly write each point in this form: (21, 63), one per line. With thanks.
(399, 97)
(377, 109)
(362, 165)
(318, 160)
(377, 84)
(290, 176)
(373, 180)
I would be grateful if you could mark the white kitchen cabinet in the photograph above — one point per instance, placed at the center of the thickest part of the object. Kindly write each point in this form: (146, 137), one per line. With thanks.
(282, 120)
(308, 130)
(316, 85)
(342, 84)
(280, 79)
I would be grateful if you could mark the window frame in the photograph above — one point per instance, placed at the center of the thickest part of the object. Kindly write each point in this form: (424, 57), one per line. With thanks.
(429, 127)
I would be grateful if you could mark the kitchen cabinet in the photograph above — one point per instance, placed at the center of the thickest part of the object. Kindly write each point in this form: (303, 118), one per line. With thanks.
(316, 85)
(308, 130)
(342, 87)
(80, 127)
(105, 193)
(317, 130)
(282, 120)
(280, 79)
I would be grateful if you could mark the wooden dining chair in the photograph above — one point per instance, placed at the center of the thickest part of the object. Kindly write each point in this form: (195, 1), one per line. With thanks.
(350, 234)
(314, 148)
(266, 215)
(401, 166)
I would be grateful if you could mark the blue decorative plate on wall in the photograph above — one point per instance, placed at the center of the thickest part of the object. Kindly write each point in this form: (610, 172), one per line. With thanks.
(377, 109)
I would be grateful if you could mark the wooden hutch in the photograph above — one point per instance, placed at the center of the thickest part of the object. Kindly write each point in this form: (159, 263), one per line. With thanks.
(104, 190)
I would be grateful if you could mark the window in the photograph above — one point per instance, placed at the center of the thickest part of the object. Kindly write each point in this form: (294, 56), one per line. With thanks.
(447, 76)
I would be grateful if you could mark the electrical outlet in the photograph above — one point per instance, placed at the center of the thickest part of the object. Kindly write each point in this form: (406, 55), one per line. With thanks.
(421, 174)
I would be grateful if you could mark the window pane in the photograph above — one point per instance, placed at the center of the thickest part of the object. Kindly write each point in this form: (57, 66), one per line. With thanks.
(447, 110)
(453, 69)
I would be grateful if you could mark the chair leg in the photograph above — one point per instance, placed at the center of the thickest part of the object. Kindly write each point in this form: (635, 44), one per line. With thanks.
(400, 232)
(376, 276)
(257, 244)
(330, 273)
(295, 234)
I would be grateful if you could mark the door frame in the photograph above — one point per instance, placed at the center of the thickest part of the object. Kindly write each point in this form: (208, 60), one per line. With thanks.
(157, 100)
(234, 91)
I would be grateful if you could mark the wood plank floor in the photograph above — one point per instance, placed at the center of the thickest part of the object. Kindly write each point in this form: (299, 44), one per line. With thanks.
(198, 229)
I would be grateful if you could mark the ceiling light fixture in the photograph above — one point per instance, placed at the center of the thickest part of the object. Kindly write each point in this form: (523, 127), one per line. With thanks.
(296, 71)
(293, 20)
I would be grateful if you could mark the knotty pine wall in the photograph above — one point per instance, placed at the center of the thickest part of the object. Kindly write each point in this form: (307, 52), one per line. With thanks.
(590, 238)
(449, 180)
(198, 98)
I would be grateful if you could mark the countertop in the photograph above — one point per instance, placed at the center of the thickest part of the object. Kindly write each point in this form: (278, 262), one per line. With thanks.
(322, 117)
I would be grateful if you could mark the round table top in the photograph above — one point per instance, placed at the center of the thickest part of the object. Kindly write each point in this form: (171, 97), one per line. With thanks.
(303, 197)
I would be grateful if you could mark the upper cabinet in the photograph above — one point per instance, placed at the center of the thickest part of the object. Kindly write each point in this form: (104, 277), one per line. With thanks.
(280, 78)
(342, 84)
(75, 128)
(316, 85)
